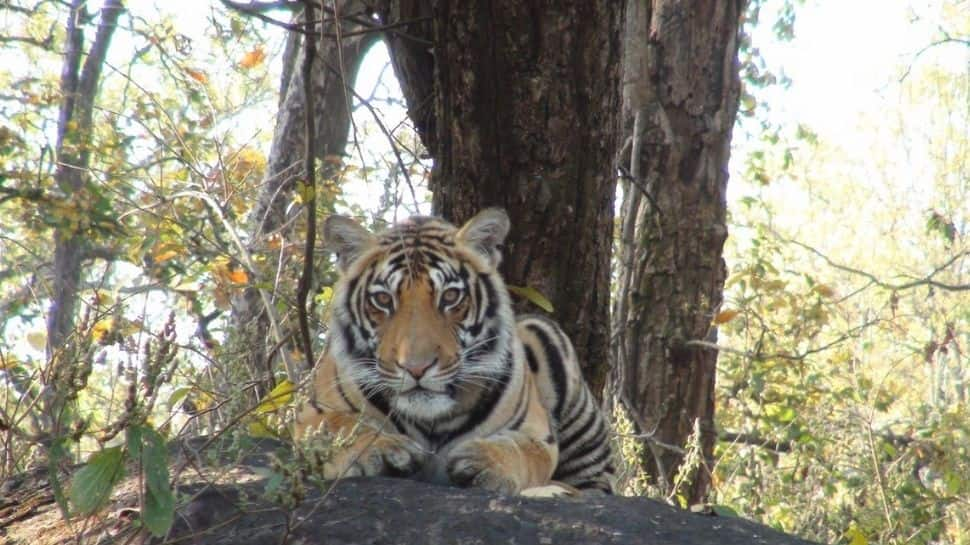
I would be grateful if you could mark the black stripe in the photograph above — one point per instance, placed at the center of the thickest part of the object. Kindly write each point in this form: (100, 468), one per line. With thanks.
(531, 358)
(518, 421)
(379, 401)
(598, 460)
(593, 440)
(340, 390)
(348, 335)
(432, 258)
(563, 340)
(476, 328)
(486, 404)
(491, 310)
(556, 367)
(520, 406)
(566, 442)
(574, 411)
(599, 485)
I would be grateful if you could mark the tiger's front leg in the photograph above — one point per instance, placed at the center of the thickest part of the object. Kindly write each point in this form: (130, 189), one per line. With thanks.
(370, 451)
(507, 462)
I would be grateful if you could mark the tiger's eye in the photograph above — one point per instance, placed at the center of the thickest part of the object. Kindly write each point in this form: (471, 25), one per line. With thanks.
(451, 296)
(381, 299)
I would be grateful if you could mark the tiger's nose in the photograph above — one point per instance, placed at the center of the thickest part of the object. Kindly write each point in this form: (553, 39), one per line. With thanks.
(417, 369)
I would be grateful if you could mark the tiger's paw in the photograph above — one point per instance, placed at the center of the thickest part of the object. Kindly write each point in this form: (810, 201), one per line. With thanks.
(551, 490)
(475, 464)
(390, 455)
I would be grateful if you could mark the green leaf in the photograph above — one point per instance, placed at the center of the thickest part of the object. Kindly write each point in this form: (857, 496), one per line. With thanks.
(57, 453)
(178, 395)
(533, 296)
(158, 512)
(92, 484)
(953, 482)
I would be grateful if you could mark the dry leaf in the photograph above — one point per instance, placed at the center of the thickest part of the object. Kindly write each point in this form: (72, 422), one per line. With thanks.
(253, 59)
(725, 316)
(238, 276)
(198, 75)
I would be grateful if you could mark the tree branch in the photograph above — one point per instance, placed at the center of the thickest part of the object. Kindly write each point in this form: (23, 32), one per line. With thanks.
(926, 281)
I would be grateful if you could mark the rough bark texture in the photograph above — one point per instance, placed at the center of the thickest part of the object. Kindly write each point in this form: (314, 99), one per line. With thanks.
(79, 88)
(680, 103)
(525, 96)
(334, 72)
(374, 511)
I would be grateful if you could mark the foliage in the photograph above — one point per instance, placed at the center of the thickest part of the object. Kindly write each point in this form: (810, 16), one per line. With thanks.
(843, 392)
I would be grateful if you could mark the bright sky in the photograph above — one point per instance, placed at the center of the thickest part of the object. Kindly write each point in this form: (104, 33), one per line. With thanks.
(845, 63)
(847, 56)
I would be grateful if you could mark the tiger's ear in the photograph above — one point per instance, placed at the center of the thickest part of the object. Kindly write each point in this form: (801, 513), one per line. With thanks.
(485, 233)
(347, 239)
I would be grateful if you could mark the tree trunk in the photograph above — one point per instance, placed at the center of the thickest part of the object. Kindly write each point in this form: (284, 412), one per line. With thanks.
(334, 73)
(524, 116)
(79, 88)
(680, 95)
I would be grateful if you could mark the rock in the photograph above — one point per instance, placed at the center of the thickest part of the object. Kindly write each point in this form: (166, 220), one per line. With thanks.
(376, 511)
(388, 511)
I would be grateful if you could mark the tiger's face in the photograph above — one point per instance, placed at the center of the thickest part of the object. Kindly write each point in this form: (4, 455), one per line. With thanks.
(421, 317)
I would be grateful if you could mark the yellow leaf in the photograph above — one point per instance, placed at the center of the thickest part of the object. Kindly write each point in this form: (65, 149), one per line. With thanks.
(197, 75)
(238, 276)
(856, 536)
(325, 295)
(253, 59)
(533, 296)
(281, 396)
(8, 361)
(37, 340)
(259, 428)
(101, 329)
(725, 316)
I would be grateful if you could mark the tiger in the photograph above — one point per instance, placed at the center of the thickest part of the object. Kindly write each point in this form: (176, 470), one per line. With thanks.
(431, 375)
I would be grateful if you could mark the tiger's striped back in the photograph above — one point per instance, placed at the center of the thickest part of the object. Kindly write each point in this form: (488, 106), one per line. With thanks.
(582, 434)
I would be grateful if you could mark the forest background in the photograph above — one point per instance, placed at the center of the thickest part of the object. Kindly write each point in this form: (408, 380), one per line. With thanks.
(843, 373)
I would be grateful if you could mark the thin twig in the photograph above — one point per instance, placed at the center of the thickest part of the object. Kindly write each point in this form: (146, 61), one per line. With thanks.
(309, 156)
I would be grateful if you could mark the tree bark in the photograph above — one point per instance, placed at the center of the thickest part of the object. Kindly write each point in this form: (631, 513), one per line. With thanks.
(524, 99)
(681, 91)
(79, 89)
(333, 73)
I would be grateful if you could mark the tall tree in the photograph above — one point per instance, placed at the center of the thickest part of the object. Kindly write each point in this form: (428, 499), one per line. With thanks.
(79, 88)
(680, 99)
(333, 73)
(517, 102)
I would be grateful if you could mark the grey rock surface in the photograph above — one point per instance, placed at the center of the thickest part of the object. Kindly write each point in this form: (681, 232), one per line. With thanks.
(378, 511)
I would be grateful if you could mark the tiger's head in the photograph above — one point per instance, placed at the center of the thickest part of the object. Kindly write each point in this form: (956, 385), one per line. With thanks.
(420, 316)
